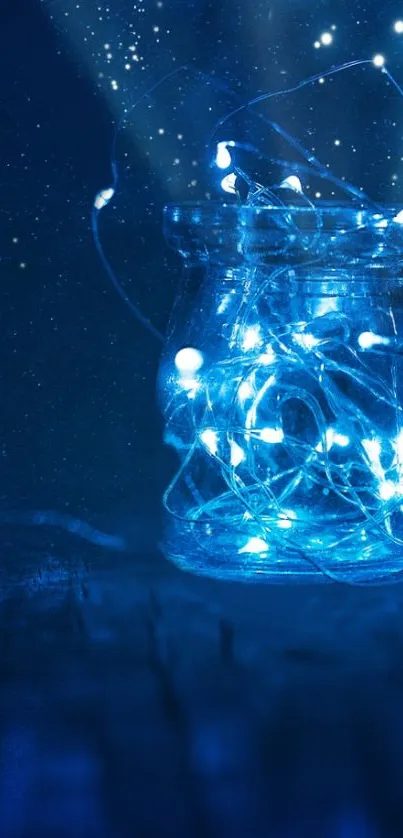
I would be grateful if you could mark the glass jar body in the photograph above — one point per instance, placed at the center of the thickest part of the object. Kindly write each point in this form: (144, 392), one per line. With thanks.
(281, 385)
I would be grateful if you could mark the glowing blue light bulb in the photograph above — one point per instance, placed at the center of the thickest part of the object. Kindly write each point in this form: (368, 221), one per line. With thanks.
(189, 360)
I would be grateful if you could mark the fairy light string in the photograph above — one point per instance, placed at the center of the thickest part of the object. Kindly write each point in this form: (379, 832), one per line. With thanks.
(291, 440)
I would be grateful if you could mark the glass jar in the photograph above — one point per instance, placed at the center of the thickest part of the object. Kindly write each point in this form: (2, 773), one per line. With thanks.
(281, 386)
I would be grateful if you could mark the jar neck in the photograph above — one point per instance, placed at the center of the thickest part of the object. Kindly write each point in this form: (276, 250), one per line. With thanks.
(359, 280)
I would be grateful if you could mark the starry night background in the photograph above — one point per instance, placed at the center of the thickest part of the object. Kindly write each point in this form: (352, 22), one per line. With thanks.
(136, 700)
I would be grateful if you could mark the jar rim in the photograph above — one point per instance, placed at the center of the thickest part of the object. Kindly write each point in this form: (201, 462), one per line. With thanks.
(323, 208)
(331, 232)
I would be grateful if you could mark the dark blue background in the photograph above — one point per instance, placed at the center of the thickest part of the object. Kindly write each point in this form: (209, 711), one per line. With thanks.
(137, 701)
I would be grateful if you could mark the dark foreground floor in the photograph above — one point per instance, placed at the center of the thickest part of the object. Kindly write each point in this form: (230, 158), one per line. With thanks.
(139, 701)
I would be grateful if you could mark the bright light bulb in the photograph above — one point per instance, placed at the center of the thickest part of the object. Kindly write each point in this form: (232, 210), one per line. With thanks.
(210, 440)
(271, 435)
(237, 454)
(366, 340)
(188, 360)
(251, 338)
(228, 183)
(306, 340)
(292, 182)
(223, 158)
(286, 519)
(398, 219)
(103, 198)
(387, 490)
(255, 545)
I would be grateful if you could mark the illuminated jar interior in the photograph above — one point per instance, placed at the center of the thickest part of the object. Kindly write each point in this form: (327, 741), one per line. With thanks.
(281, 385)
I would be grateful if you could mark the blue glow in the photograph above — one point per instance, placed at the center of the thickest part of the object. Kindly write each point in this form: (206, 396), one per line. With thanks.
(279, 388)
(291, 447)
